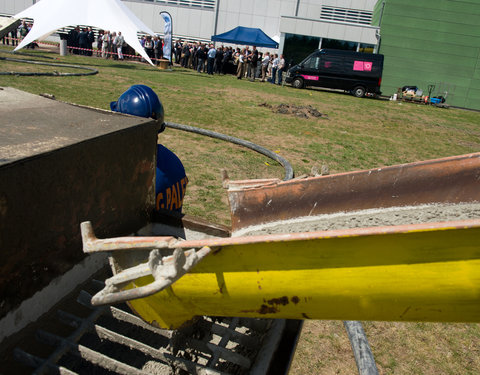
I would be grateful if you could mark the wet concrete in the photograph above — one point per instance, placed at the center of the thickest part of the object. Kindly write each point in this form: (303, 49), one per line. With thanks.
(428, 213)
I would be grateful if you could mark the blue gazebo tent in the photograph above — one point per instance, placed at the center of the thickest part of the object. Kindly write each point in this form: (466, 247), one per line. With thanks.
(246, 35)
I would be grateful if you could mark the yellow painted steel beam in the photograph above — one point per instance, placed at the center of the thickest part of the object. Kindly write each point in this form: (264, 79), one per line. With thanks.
(406, 273)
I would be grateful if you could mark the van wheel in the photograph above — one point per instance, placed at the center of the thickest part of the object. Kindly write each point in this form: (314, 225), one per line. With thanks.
(359, 92)
(298, 83)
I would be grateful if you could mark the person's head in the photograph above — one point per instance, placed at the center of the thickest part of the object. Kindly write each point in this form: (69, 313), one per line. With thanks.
(140, 100)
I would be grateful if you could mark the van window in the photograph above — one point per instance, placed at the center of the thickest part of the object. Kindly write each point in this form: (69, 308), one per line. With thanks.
(312, 62)
(333, 64)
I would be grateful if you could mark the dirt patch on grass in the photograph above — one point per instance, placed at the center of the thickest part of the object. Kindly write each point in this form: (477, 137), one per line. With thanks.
(299, 111)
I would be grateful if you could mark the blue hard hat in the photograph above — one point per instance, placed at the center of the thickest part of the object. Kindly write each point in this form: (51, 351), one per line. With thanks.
(139, 100)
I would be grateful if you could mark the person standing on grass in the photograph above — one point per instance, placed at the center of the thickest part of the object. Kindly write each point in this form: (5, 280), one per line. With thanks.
(157, 49)
(99, 42)
(218, 60)
(253, 64)
(212, 53)
(185, 55)
(265, 62)
(241, 64)
(14, 37)
(178, 51)
(149, 46)
(90, 40)
(281, 68)
(83, 41)
(275, 62)
(119, 45)
(201, 56)
(190, 57)
(227, 56)
(105, 43)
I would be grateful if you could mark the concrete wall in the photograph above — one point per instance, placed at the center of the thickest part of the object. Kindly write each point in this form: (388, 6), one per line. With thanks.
(432, 42)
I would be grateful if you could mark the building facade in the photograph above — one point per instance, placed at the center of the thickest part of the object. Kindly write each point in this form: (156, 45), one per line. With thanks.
(431, 43)
(300, 26)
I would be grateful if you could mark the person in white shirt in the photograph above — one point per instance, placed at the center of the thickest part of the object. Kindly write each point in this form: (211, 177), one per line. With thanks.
(118, 42)
(105, 43)
(241, 64)
(276, 60)
(265, 62)
(281, 67)
(212, 52)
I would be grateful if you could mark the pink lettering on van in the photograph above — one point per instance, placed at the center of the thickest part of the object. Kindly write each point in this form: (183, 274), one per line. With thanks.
(362, 66)
(310, 78)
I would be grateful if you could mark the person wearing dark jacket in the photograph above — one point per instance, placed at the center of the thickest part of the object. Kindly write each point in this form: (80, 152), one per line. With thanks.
(83, 41)
(90, 40)
(253, 64)
(227, 56)
(218, 60)
(72, 40)
(201, 55)
(185, 55)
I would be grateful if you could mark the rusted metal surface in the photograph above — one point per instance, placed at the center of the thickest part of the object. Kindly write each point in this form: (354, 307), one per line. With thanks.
(453, 179)
(61, 164)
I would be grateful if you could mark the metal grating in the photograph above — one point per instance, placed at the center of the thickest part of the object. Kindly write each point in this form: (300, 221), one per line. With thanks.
(110, 340)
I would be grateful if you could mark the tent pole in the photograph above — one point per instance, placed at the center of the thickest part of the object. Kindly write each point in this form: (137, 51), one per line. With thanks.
(217, 6)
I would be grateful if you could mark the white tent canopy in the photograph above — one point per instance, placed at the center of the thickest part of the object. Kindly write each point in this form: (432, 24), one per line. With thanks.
(113, 15)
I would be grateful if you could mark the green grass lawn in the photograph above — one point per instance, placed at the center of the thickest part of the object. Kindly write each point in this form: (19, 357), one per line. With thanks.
(358, 134)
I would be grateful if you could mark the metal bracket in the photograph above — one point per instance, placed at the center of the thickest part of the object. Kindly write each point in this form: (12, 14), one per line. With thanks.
(164, 269)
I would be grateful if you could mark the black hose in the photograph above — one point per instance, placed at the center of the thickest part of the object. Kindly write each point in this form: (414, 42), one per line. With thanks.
(285, 164)
(92, 71)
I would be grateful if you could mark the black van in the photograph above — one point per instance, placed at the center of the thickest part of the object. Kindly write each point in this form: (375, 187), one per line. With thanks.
(357, 72)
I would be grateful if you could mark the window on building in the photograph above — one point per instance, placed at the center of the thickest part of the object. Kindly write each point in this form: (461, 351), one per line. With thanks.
(339, 44)
(297, 47)
(366, 48)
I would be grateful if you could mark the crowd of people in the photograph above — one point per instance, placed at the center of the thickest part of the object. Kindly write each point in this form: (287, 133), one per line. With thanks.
(244, 63)
(202, 57)
(111, 44)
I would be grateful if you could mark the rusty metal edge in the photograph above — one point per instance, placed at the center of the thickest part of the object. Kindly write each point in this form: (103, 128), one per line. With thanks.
(452, 179)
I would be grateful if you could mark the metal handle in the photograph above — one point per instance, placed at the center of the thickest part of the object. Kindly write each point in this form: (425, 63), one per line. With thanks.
(164, 269)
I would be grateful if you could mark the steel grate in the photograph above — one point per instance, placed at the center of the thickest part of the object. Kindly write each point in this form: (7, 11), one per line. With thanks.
(110, 340)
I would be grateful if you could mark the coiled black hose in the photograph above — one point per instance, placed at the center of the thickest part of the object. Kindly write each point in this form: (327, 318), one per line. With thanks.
(92, 71)
(289, 174)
